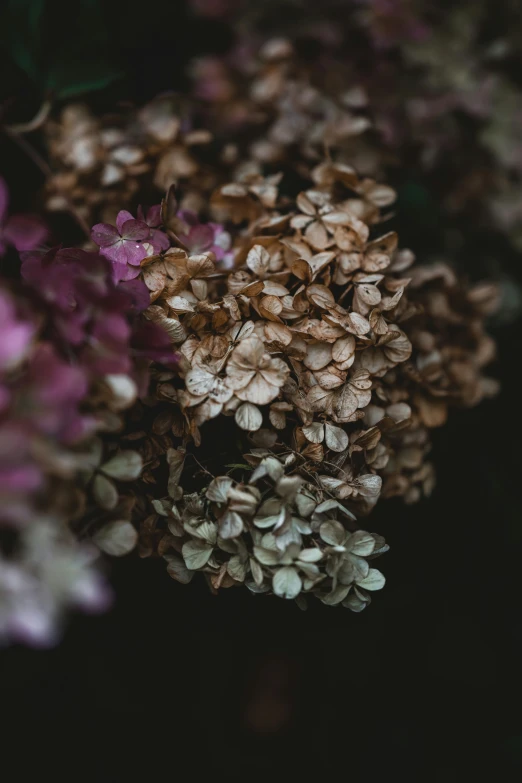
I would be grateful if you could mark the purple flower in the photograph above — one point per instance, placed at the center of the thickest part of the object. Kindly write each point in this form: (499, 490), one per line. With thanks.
(16, 335)
(108, 348)
(131, 241)
(151, 342)
(51, 394)
(24, 232)
(203, 237)
(138, 294)
(158, 239)
(123, 245)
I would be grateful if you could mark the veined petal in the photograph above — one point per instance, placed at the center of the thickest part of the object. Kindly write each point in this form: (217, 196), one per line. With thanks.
(104, 235)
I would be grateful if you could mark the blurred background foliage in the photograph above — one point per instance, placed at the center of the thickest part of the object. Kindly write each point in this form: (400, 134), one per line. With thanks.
(426, 685)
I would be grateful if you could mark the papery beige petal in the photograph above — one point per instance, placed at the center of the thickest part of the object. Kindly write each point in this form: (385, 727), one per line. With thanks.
(321, 296)
(248, 417)
(335, 437)
(199, 381)
(270, 307)
(317, 236)
(258, 391)
(258, 260)
(345, 403)
(318, 355)
(320, 399)
(314, 432)
(343, 348)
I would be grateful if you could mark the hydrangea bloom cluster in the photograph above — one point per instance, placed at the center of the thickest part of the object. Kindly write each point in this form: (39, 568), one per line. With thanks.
(23, 232)
(230, 379)
(75, 354)
(326, 355)
(389, 87)
(132, 241)
(437, 81)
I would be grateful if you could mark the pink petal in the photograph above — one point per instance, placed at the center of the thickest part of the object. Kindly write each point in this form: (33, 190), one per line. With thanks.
(188, 216)
(159, 240)
(154, 216)
(136, 290)
(133, 252)
(200, 238)
(124, 272)
(25, 232)
(13, 346)
(122, 218)
(135, 230)
(20, 479)
(104, 235)
(115, 252)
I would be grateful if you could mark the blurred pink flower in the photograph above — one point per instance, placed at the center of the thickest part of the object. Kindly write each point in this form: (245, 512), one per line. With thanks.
(24, 232)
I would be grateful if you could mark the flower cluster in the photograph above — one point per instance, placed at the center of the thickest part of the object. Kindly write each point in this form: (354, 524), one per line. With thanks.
(23, 232)
(274, 532)
(436, 83)
(389, 87)
(75, 354)
(322, 347)
(103, 164)
(229, 380)
(322, 338)
(132, 241)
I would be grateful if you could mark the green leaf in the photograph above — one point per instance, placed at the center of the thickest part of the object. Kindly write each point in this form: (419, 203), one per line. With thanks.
(65, 49)
(21, 21)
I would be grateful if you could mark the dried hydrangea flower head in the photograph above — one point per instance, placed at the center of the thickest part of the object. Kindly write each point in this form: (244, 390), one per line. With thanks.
(324, 349)
(103, 163)
(435, 78)
(275, 532)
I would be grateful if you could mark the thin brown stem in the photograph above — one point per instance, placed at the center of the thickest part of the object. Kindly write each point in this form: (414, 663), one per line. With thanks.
(37, 121)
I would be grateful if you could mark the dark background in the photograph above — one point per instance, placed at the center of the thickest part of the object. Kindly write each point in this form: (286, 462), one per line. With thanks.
(423, 686)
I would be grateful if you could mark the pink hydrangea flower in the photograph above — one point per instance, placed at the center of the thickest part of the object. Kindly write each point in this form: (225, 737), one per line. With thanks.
(123, 245)
(16, 335)
(157, 238)
(131, 241)
(24, 232)
(204, 237)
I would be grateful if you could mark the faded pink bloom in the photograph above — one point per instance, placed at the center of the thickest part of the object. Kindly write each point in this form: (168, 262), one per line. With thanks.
(157, 238)
(204, 237)
(131, 241)
(123, 245)
(24, 232)
(16, 335)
